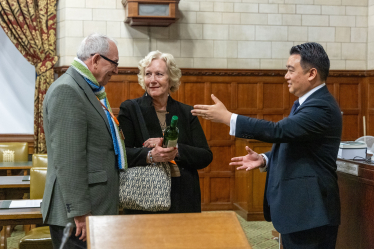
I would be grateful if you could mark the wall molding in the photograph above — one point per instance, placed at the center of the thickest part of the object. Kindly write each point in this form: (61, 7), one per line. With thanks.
(17, 138)
(236, 72)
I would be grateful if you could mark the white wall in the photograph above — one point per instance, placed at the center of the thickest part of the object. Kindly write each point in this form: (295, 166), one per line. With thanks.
(17, 83)
(371, 34)
(250, 34)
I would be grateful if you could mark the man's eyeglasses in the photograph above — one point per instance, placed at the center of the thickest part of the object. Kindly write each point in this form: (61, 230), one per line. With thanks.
(107, 59)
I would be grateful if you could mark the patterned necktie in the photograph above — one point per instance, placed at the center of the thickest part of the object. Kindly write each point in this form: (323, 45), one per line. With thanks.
(294, 108)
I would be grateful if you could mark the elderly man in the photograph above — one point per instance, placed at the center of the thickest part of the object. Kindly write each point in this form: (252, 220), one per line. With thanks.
(84, 143)
(301, 191)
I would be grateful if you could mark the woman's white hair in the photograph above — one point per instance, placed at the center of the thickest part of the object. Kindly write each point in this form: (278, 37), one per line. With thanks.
(173, 71)
(94, 44)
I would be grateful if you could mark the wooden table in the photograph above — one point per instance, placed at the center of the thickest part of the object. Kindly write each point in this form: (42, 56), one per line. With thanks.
(356, 186)
(12, 187)
(167, 231)
(13, 182)
(19, 216)
(8, 166)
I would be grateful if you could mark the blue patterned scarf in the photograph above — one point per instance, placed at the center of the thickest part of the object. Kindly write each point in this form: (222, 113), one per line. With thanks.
(118, 142)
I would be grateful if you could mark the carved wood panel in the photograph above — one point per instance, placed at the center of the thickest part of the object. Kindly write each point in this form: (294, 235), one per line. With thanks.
(255, 93)
(369, 112)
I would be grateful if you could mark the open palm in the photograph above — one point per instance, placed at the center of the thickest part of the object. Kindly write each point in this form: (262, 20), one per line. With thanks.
(250, 161)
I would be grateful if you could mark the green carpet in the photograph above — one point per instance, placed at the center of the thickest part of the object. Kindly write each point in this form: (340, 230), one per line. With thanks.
(16, 235)
(258, 234)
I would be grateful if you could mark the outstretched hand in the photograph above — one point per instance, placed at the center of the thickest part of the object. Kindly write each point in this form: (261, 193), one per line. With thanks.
(250, 161)
(216, 113)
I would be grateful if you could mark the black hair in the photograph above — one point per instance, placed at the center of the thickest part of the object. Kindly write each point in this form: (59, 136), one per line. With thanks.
(313, 56)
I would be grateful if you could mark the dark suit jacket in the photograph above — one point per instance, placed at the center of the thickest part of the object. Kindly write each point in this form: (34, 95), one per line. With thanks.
(304, 192)
(192, 145)
(82, 175)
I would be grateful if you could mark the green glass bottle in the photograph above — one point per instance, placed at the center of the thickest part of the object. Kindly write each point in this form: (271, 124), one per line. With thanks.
(171, 133)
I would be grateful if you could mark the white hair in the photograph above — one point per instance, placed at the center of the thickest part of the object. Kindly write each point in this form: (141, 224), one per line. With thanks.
(173, 71)
(94, 44)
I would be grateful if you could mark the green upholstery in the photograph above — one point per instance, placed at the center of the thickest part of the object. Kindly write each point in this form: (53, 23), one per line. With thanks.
(21, 150)
(39, 160)
(37, 238)
(40, 237)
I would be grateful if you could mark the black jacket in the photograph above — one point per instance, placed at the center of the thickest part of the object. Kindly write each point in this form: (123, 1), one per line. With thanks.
(194, 152)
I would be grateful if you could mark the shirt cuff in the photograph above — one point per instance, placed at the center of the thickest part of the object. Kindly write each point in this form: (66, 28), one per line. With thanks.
(233, 124)
(265, 168)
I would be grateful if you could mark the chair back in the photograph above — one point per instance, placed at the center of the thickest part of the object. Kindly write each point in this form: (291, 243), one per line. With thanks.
(38, 174)
(20, 150)
(39, 160)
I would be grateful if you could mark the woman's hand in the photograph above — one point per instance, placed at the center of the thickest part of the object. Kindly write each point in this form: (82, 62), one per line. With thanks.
(152, 142)
(160, 154)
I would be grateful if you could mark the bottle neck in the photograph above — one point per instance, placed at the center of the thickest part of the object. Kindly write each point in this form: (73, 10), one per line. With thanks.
(173, 124)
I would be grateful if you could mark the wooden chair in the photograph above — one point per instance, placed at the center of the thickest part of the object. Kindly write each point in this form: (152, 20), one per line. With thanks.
(14, 152)
(40, 160)
(21, 151)
(37, 237)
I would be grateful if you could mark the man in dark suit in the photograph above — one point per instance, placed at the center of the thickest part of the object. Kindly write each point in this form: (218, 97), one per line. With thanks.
(84, 149)
(301, 193)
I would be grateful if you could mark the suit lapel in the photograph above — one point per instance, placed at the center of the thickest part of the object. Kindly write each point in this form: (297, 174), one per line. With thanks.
(150, 117)
(316, 94)
(89, 93)
(172, 109)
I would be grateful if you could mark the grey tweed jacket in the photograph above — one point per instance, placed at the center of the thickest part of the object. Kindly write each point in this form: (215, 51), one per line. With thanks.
(82, 176)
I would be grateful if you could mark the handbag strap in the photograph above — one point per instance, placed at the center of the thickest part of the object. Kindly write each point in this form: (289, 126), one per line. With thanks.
(139, 114)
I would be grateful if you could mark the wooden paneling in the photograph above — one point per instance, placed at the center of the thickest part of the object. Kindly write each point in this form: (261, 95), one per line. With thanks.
(370, 104)
(255, 93)
(250, 185)
(357, 205)
(350, 95)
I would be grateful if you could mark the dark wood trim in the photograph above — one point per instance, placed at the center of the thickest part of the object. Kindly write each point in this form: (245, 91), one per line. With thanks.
(17, 138)
(248, 215)
(236, 72)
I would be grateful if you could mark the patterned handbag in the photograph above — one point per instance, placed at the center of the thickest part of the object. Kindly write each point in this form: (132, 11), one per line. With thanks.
(148, 187)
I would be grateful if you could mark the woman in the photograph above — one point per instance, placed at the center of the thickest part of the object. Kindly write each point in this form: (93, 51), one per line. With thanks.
(159, 76)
